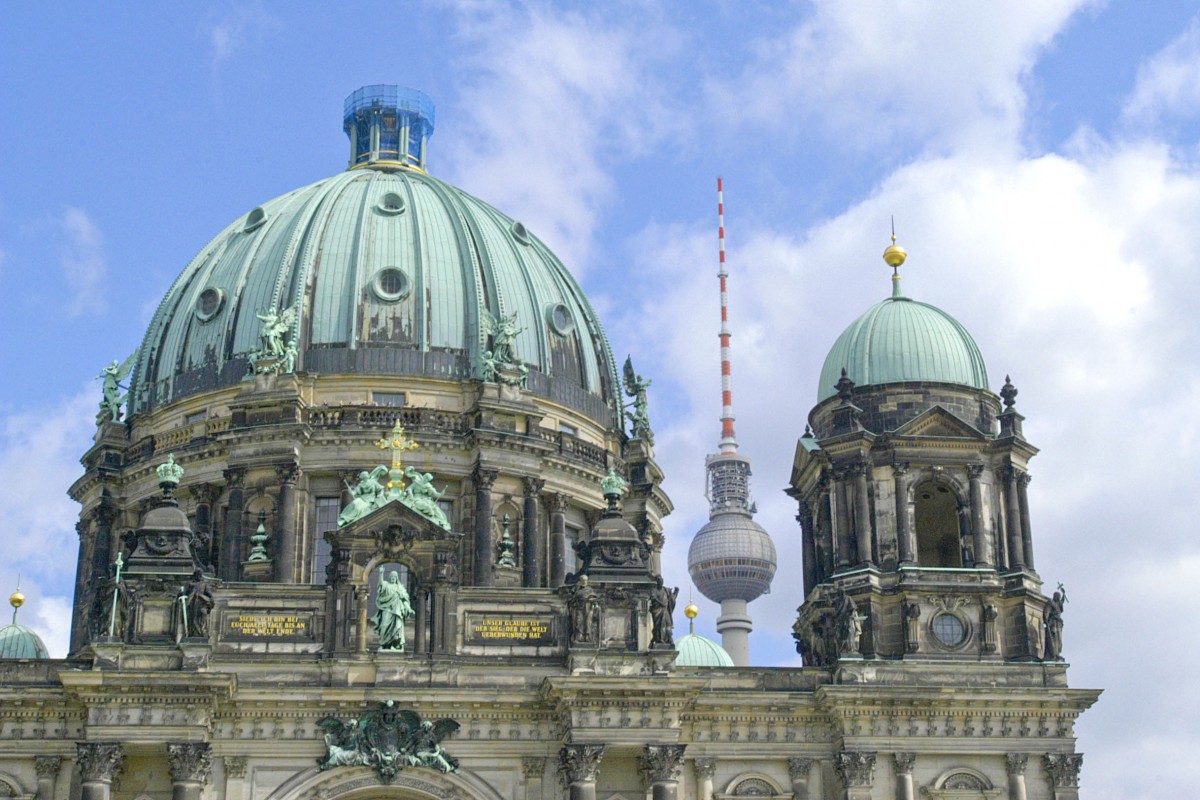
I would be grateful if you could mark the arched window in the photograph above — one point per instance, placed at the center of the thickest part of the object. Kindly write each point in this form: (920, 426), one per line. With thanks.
(935, 507)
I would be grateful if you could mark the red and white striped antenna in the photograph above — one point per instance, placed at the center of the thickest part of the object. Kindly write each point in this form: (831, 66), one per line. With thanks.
(728, 442)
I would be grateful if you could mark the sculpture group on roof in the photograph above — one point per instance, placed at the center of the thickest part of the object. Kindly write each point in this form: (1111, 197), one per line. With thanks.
(639, 418)
(500, 365)
(277, 348)
(113, 398)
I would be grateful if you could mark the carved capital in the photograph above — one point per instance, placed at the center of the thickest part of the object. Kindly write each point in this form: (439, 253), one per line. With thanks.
(533, 486)
(798, 768)
(190, 762)
(660, 763)
(98, 761)
(534, 767)
(205, 493)
(47, 767)
(1024, 478)
(900, 469)
(287, 472)
(1016, 762)
(484, 478)
(706, 767)
(904, 762)
(235, 766)
(1063, 769)
(855, 768)
(559, 503)
(235, 477)
(580, 763)
(974, 471)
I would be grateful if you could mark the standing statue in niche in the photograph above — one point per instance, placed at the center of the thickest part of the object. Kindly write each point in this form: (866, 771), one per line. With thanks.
(635, 387)
(662, 609)
(392, 609)
(507, 556)
(199, 605)
(849, 626)
(584, 605)
(1053, 616)
(111, 377)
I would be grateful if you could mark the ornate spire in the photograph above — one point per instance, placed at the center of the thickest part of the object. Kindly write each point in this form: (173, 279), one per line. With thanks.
(894, 256)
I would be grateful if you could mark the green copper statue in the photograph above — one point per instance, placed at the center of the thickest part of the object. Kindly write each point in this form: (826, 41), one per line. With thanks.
(275, 353)
(635, 387)
(169, 471)
(392, 609)
(612, 483)
(499, 363)
(112, 375)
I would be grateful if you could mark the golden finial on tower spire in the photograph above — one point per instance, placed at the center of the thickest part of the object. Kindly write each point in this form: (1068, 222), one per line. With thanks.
(894, 255)
(691, 612)
(16, 599)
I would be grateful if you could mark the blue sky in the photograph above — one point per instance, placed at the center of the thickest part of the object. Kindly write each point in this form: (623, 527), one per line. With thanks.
(1040, 159)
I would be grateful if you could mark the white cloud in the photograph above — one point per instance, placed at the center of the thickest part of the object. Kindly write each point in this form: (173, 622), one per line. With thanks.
(82, 261)
(1168, 85)
(553, 99)
(880, 71)
(39, 457)
(242, 26)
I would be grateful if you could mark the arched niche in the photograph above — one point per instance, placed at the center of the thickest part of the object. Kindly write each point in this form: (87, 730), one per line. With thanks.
(362, 783)
(754, 785)
(10, 787)
(937, 520)
(961, 783)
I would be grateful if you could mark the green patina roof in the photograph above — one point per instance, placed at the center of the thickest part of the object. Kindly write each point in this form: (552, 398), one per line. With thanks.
(902, 340)
(17, 641)
(321, 249)
(697, 651)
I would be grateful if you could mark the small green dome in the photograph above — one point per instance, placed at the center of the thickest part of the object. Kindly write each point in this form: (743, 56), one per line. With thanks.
(697, 651)
(17, 641)
(902, 340)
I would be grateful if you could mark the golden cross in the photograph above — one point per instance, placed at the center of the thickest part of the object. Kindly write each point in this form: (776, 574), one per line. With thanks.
(397, 444)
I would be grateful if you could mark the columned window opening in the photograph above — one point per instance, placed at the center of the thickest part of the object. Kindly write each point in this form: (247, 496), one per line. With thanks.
(936, 512)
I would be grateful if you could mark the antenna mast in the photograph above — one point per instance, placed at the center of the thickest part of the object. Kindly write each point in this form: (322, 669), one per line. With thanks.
(728, 441)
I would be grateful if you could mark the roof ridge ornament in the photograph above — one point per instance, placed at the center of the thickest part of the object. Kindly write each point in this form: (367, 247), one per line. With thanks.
(894, 256)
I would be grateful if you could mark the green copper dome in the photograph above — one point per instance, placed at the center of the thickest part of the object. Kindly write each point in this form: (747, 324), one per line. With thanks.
(381, 270)
(697, 651)
(17, 641)
(900, 340)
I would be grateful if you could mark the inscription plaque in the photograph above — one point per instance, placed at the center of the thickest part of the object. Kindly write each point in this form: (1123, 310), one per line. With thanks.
(248, 626)
(508, 630)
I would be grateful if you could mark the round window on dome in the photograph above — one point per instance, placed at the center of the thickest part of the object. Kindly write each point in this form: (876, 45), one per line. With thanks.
(521, 234)
(949, 630)
(255, 219)
(209, 304)
(560, 319)
(390, 204)
(391, 284)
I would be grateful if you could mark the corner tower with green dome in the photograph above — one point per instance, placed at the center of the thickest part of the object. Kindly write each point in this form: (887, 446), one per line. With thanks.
(918, 556)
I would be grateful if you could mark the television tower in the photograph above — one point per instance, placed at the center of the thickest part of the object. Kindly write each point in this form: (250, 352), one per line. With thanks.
(732, 559)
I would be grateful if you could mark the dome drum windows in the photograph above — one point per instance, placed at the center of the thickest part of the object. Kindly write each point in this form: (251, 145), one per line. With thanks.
(560, 319)
(255, 220)
(521, 234)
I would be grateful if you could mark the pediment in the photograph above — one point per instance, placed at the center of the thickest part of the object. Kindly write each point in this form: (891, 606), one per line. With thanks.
(938, 423)
(395, 519)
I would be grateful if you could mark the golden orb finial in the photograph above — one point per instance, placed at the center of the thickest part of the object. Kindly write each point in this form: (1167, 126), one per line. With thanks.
(894, 255)
(16, 599)
(692, 611)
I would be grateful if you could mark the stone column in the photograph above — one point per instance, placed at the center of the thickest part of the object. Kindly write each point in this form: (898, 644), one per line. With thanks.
(47, 775)
(705, 769)
(843, 545)
(484, 478)
(1012, 505)
(98, 764)
(856, 770)
(798, 770)
(905, 540)
(421, 622)
(81, 619)
(903, 763)
(102, 550)
(983, 542)
(659, 765)
(580, 764)
(1016, 762)
(191, 766)
(531, 537)
(862, 514)
(558, 539)
(808, 550)
(534, 768)
(1026, 530)
(231, 534)
(360, 609)
(287, 533)
(1063, 769)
